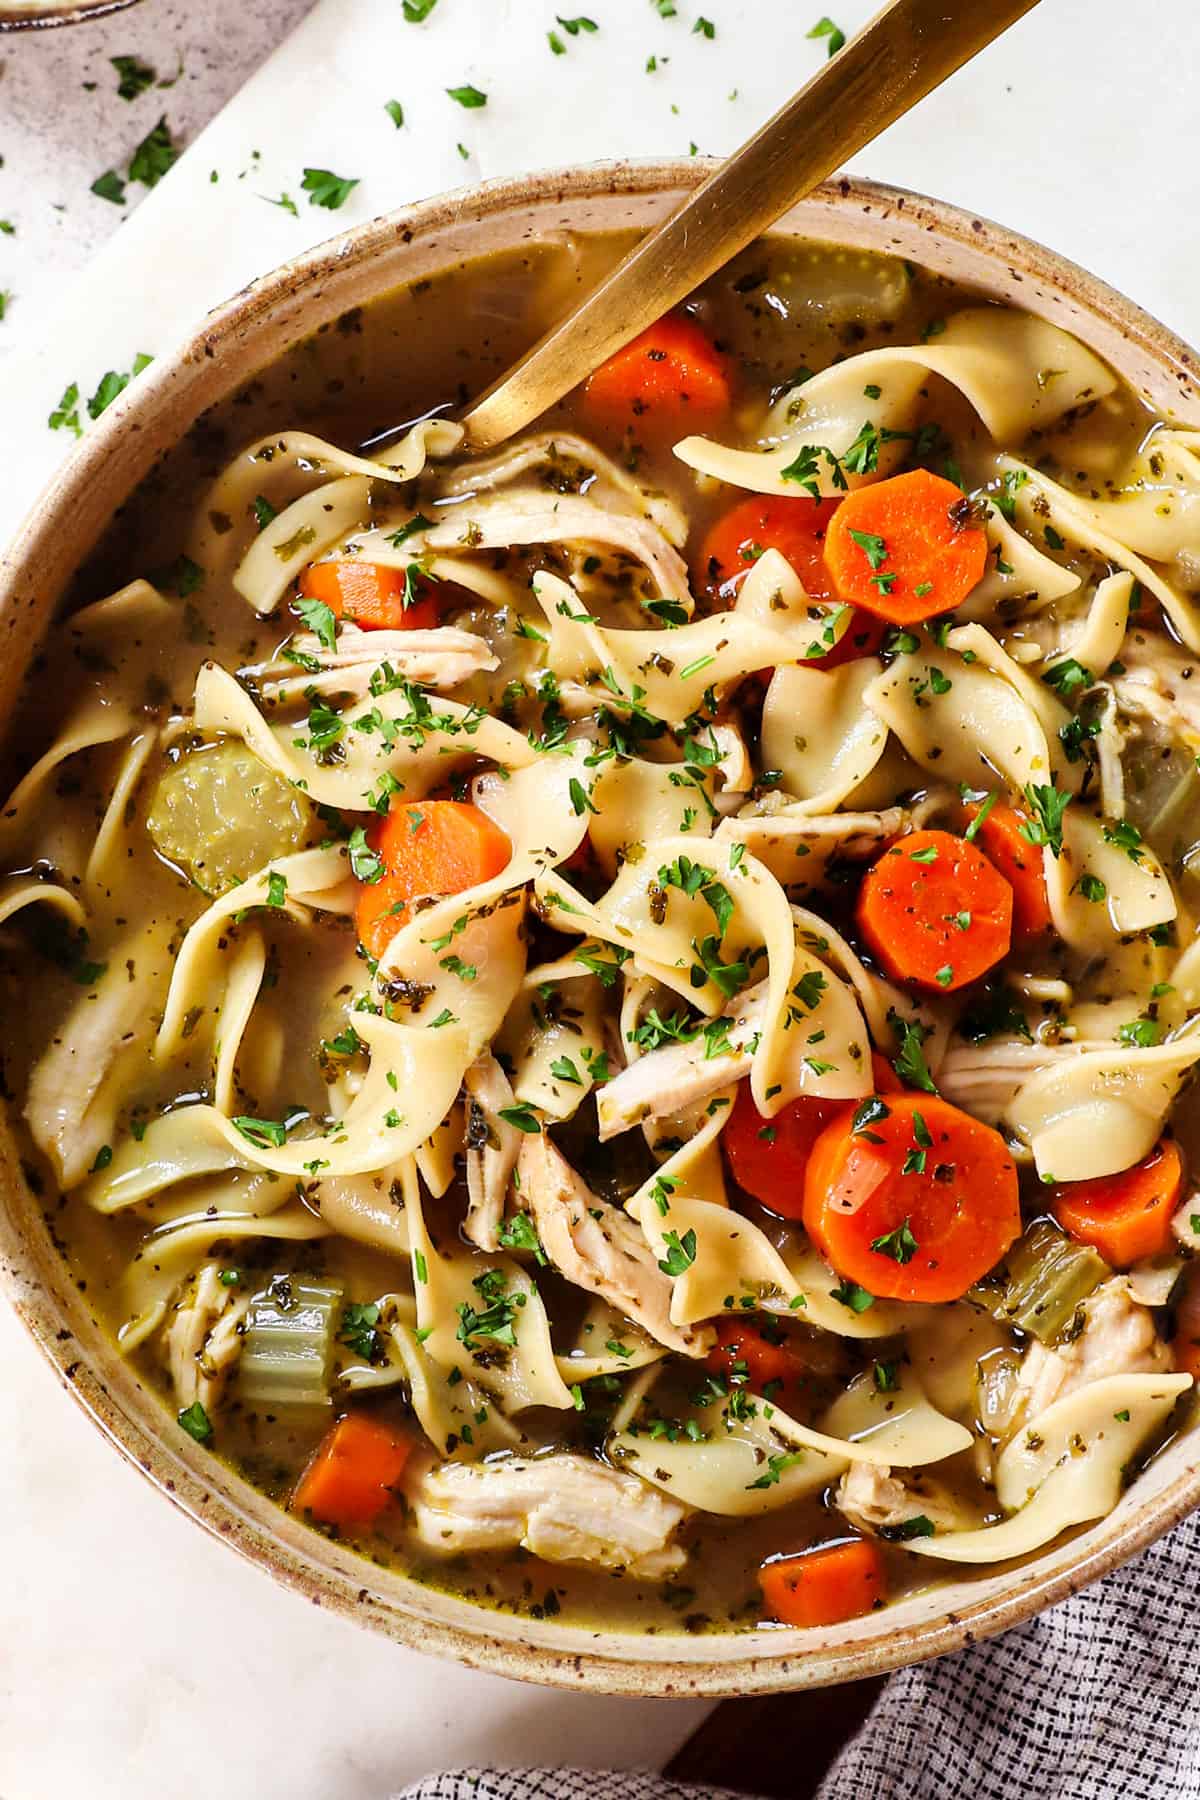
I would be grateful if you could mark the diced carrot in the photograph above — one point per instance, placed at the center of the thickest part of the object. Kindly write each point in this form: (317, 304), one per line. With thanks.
(825, 1586)
(745, 1354)
(1127, 1216)
(669, 378)
(906, 548)
(372, 595)
(768, 1157)
(428, 847)
(795, 526)
(353, 1475)
(1185, 1345)
(934, 911)
(1001, 840)
(916, 1204)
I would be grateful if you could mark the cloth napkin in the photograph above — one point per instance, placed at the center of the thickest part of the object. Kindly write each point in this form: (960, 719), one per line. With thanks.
(1094, 1700)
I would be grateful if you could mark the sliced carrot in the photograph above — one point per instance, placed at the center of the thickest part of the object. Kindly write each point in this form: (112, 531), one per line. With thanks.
(372, 595)
(1127, 1216)
(934, 910)
(795, 526)
(1185, 1345)
(825, 1586)
(672, 375)
(428, 847)
(768, 1157)
(746, 1355)
(915, 1204)
(1000, 838)
(353, 1475)
(906, 548)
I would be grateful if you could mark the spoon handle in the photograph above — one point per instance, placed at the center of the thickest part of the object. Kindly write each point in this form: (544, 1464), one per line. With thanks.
(903, 53)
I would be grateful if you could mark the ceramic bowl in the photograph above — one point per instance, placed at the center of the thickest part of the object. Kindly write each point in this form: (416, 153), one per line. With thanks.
(234, 342)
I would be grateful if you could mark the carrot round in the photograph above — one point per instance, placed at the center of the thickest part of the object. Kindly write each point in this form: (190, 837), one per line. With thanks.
(916, 1204)
(353, 1475)
(745, 1354)
(825, 1586)
(935, 911)
(428, 847)
(795, 526)
(1185, 1345)
(905, 548)
(1000, 838)
(371, 594)
(671, 375)
(768, 1157)
(1127, 1216)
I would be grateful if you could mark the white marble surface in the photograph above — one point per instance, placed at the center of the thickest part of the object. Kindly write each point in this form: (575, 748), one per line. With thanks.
(137, 1658)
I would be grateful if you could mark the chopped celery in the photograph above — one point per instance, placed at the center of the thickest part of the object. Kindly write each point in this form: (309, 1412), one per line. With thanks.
(219, 814)
(288, 1343)
(1048, 1275)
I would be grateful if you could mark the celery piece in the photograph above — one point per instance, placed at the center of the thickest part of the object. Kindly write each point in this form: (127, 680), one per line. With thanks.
(1048, 1275)
(288, 1344)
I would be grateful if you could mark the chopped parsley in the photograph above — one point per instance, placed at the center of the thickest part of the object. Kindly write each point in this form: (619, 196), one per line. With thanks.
(326, 189)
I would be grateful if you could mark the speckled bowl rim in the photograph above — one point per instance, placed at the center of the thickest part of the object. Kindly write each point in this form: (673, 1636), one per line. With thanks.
(59, 532)
(46, 18)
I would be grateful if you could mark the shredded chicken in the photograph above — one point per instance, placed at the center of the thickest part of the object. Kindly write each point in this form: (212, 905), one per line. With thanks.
(598, 1247)
(1118, 1338)
(877, 1500)
(564, 459)
(492, 1146)
(204, 1339)
(677, 1076)
(73, 1090)
(984, 1079)
(1160, 683)
(440, 658)
(563, 1508)
(534, 516)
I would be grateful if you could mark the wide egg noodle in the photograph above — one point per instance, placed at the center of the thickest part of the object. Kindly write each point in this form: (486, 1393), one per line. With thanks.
(390, 735)
(1044, 505)
(1076, 1475)
(1102, 1111)
(978, 727)
(591, 1355)
(818, 733)
(556, 1018)
(445, 1281)
(637, 802)
(997, 360)
(456, 1416)
(729, 1473)
(1097, 643)
(1136, 891)
(894, 1427)
(313, 879)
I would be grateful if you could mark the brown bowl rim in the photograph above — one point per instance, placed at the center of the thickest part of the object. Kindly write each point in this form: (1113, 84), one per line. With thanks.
(51, 16)
(609, 1661)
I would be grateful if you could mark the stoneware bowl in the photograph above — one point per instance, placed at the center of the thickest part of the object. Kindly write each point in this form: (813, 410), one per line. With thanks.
(236, 341)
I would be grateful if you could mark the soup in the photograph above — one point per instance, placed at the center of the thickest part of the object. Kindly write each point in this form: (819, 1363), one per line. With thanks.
(607, 1020)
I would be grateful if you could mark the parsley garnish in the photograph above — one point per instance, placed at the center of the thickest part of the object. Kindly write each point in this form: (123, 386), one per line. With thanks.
(470, 97)
(522, 1116)
(196, 1422)
(681, 1252)
(326, 189)
(1048, 807)
(910, 1064)
(825, 28)
(900, 1244)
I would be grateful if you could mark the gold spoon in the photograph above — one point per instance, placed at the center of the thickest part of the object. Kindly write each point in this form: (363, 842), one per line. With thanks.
(902, 54)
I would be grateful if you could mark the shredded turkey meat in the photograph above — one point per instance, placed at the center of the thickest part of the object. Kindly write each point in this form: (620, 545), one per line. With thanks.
(1118, 1338)
(598, 1247)
(984, 1079)
(564, 1508)
(204, 1340)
